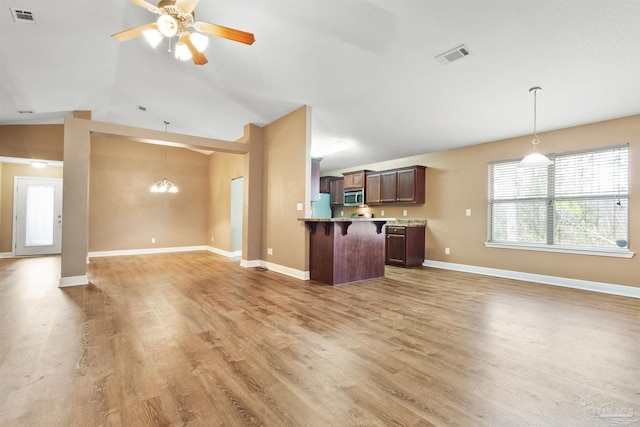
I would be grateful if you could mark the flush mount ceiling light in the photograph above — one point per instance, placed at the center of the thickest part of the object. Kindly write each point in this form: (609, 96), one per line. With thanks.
(177, 18)
(38, 164)
(535, 159)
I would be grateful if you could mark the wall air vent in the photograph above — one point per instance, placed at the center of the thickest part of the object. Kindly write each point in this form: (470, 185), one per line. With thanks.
(453, 54)
(21, 16)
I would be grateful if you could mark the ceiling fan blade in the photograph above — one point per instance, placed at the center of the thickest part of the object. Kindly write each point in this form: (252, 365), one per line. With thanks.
(197, 56)
(146, 5)
(134, 32)
(186, 6)
(225, 32)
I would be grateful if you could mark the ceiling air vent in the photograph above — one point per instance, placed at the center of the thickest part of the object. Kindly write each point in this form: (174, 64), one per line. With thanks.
(21, 16)
(453, 54)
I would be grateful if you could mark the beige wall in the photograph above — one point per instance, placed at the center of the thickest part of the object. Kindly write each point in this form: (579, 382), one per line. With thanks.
(32, 141)
(124, 214)
(287, 170)
(457, 180)
(8, 171)
(223, 167)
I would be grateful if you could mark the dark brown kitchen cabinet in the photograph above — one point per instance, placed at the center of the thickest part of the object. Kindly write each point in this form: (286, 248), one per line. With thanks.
(404, 245)
(372, 195)
(404, 185)
(336, 190)
(411, 185)
(325, 182)
(388, 186)
(355, 180)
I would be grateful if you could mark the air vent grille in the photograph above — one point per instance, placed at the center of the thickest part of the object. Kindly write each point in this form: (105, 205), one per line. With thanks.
(21, 16)
(453, 54)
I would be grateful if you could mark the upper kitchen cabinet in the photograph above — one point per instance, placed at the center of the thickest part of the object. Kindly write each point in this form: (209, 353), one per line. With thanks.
(336, 189)
(411, 185)
(372, 195)
(405, 185)
(355, 180)
(325, 183)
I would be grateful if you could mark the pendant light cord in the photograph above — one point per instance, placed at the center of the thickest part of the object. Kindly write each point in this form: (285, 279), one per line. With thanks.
(536, 139)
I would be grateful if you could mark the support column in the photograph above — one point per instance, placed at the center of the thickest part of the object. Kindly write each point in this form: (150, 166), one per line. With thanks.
(75, 202)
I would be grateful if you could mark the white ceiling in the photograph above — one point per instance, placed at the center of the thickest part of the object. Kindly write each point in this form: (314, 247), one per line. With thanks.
(367, 69)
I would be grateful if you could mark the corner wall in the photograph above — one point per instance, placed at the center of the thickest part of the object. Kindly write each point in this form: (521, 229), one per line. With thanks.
(287, 172)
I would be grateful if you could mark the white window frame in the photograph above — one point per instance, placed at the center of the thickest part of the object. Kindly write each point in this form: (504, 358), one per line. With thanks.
(550, 246)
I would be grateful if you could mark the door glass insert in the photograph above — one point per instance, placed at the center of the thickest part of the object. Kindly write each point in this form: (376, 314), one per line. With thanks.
(39, 215)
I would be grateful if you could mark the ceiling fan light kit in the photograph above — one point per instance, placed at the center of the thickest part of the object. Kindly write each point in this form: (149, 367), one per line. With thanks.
(177, 18)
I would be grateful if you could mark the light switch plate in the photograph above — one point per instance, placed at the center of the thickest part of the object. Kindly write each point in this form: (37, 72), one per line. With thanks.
(299, 206)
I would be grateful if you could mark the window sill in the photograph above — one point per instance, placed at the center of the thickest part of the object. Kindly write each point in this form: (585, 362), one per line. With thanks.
(616, 253)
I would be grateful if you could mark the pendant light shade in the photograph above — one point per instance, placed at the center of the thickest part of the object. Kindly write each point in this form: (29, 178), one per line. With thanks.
(154, 37)
(535, 159)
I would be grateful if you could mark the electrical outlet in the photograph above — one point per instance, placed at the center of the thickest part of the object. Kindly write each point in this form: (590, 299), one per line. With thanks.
(404, 212)
(153, 240)
(468, 212)
(341, 213)
(381, 213)
(212, 239)
(269, 251)
(447, 251)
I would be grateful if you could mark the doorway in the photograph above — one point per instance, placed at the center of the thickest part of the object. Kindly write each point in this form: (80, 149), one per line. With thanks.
(37, 214)
(236, 216)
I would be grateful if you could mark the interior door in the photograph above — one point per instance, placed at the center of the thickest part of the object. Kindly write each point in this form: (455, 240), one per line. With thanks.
(38, 216)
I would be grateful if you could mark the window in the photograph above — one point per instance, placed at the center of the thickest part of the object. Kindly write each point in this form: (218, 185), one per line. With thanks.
(581, 201)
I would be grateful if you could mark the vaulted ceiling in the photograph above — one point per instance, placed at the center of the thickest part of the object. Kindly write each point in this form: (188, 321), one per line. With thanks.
(367, 69)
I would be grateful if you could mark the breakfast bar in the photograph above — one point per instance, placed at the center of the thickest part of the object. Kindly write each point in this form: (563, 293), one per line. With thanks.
(343, 250)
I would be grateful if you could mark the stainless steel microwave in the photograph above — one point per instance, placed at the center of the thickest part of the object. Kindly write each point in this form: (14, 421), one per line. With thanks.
(353, 197)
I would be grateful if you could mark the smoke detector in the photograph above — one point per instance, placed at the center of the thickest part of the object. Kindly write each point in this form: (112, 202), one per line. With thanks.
(22, 16)
(453, 54)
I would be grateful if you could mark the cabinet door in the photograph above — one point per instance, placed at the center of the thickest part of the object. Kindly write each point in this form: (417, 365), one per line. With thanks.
(354, 180)
(336, 188)
(411, 187)
(395, 249)
(388, 187)
(325, 182)
(372, 194)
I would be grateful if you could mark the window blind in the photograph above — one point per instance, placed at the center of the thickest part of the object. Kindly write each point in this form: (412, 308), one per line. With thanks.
(581, 200)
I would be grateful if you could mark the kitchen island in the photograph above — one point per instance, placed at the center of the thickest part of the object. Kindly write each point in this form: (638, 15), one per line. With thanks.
(343, 250)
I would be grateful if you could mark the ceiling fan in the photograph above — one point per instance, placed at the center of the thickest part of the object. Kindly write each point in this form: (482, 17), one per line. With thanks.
(176, 19)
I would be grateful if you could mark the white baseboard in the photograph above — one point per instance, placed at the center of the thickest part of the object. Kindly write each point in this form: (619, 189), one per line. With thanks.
(224, 253)
(287, 271)
(6, 255)
(251, 263)
(146, 251)
(292, 272)
(606, 288)
(73, 281)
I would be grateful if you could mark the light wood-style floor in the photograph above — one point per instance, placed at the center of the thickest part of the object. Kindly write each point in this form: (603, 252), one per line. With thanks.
(195, 339)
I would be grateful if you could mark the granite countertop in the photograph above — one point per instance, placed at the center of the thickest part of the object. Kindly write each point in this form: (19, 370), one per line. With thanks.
(407, 222)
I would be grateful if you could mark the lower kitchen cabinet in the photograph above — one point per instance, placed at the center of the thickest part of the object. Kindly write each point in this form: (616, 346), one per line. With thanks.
(404, 245)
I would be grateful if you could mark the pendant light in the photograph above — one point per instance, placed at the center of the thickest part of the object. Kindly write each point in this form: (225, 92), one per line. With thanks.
(535, 159)
(164, 185)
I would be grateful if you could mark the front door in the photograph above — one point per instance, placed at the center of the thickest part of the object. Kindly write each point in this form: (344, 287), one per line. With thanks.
(38, 216)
